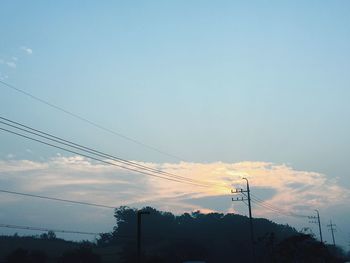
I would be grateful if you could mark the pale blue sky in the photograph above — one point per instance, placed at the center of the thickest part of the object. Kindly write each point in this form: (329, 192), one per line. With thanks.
(205, 80)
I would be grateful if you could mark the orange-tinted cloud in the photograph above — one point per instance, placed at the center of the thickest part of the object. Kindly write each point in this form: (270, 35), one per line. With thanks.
(78, 178)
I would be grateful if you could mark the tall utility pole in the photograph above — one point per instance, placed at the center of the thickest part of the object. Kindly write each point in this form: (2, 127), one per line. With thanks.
(250, 218)
(332, 229)
(317, 222)
(139, 214)
(250, 213)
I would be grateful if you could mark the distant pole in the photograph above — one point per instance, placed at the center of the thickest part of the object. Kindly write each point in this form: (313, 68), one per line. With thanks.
(332, 229)
(139, 214)
(319, 224)
(250, 220)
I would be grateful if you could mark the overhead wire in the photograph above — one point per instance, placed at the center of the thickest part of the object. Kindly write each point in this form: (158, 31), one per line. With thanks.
(268, 206)
(56, 199)
(80, 147)
(47, 229)
(94, 158)
(262, 203)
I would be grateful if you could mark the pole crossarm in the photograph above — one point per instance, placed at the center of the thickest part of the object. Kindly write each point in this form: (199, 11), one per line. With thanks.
(238, 191)
(239, 199)
(331, 227)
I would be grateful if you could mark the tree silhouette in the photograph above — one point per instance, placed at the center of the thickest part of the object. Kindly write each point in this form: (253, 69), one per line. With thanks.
(50, 235)
(211, 237)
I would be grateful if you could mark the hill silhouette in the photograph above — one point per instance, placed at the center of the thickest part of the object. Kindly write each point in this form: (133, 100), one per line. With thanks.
(213, 237)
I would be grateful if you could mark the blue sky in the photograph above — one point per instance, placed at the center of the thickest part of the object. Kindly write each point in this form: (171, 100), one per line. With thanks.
(229, 81)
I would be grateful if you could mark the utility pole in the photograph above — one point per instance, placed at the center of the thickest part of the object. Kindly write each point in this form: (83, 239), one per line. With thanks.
(332, 229)
(317, 222)
(139, 214)
(241, 191)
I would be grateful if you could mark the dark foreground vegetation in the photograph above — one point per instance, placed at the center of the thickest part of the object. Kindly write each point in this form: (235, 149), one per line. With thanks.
(213, 238)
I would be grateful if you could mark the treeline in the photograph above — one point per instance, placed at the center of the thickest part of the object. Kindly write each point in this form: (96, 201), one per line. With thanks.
(45, 248)
(212, 238)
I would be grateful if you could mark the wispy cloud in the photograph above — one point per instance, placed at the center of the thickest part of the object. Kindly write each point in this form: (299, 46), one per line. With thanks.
(11, 64)
(12, 61)
(78, 178)
(27, 50)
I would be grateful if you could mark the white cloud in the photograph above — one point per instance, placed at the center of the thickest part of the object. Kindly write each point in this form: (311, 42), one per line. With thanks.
(11, 64)
(78, 178)
(14, 58)
(28, 50)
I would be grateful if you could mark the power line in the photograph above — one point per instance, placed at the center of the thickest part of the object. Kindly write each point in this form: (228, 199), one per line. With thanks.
(56, 199)
(278, 211)
(89, 121)
(262, 203)
(47, 229)
(92, 151)
(80, 147)
(94, 158)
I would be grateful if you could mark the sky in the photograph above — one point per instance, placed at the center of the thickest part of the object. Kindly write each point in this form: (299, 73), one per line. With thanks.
(230, 88)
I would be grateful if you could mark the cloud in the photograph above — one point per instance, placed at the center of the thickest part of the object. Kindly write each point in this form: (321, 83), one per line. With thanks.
(81, 179)
(11, 64)
(27, 50)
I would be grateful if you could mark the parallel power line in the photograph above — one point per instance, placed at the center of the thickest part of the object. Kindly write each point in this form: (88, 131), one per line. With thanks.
(90, 122)
(262, 203)
(274, 209)
(80, 147)
(87, 156)
(56, 199)
(87, 151)
(47, 229)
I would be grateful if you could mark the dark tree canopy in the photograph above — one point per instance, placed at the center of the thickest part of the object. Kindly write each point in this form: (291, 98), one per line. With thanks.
(212, 237)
